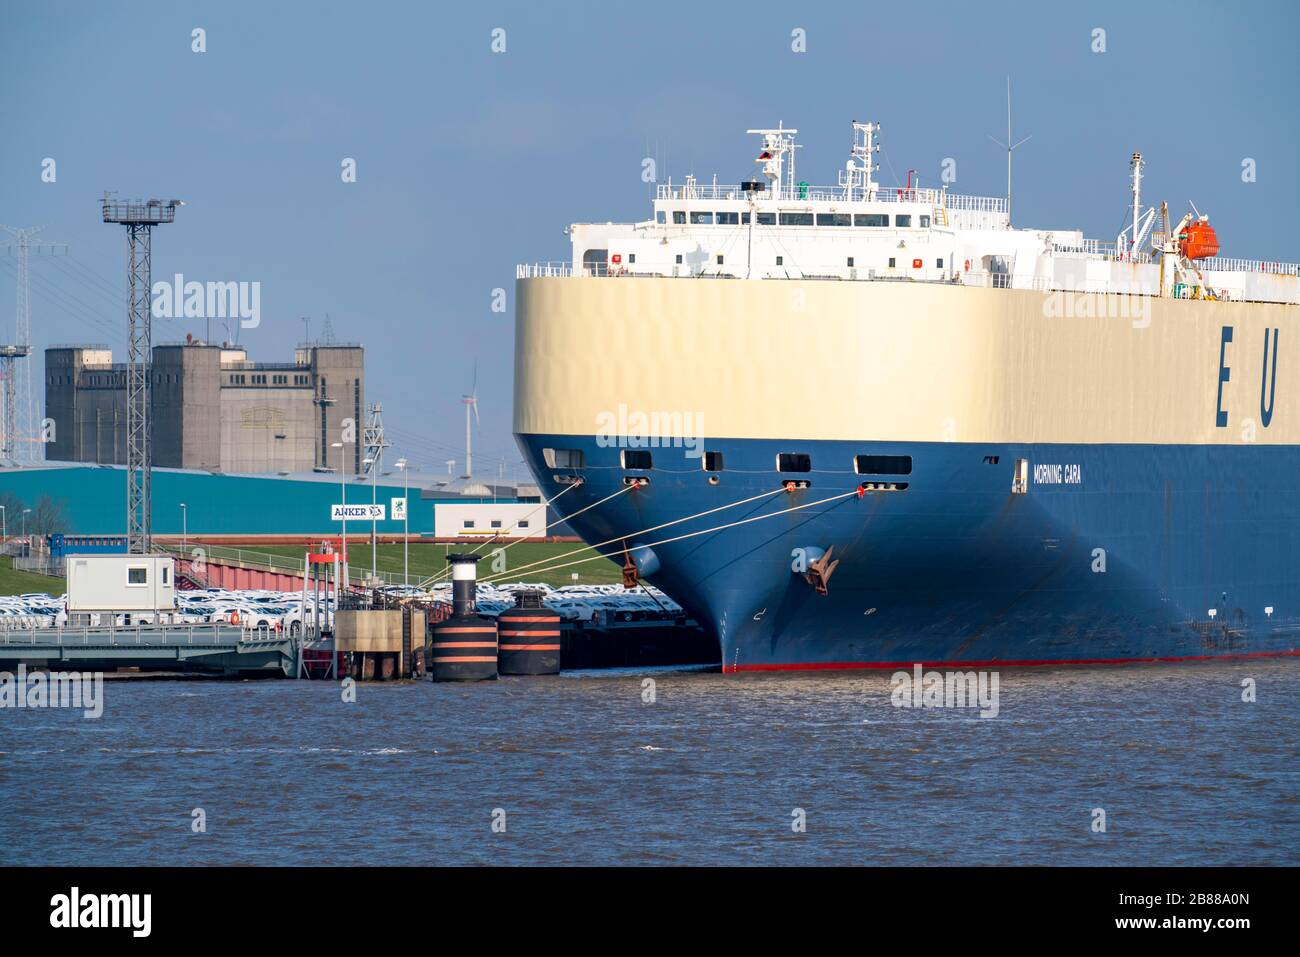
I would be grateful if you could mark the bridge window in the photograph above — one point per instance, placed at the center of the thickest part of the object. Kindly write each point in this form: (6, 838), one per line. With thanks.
(834, 219)
(903, 220)
(701, 219)
(925, 222)
(882, 464)
(637, 459)
(796, 219)
(728, 219)
(661, 217)
(793, 462)
(870, 219)
(764, 219)
(679, 217)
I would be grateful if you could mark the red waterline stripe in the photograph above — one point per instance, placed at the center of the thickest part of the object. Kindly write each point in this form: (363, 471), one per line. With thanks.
(994, 663)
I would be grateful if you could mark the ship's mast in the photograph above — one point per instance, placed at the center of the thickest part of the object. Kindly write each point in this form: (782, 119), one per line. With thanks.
(1130, 239)
(857, 172)
(1136, 166)
(1010, 147)
(776, 143)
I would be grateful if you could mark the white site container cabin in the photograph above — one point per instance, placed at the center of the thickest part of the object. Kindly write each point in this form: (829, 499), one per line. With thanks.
(137, 584)
(488, 519)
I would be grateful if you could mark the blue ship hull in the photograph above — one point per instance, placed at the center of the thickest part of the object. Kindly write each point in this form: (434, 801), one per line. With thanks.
(1124, 553)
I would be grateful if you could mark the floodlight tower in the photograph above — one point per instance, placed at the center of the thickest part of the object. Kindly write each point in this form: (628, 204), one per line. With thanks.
(139, 217)
(9, 356)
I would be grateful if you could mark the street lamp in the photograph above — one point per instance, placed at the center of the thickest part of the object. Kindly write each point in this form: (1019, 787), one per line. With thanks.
(343, 489)
(184, 526)
(406, 521)
(4, 525)
(26, 512)
(373, 465)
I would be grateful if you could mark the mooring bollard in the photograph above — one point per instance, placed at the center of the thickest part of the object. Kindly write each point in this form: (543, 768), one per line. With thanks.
(464, 647)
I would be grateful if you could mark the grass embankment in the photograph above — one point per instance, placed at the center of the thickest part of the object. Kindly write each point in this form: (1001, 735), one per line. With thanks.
(19, 582)
(429, 559)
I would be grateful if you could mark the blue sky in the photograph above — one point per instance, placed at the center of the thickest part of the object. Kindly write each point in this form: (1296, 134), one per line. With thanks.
(469, 162)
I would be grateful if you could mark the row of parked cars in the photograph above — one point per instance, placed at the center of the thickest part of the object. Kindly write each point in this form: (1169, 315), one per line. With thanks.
(276, 611)
(587, 604)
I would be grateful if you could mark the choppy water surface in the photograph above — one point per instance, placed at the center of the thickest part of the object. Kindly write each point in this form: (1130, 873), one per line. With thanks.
(586, 772)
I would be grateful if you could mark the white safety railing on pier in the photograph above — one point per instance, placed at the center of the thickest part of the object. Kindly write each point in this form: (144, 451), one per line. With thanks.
(139, 635)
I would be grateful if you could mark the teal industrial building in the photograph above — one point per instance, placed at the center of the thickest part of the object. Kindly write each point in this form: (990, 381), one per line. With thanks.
(91, 499)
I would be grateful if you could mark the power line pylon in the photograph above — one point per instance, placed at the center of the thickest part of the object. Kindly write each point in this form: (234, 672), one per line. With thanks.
(139, 217)
(18, 438)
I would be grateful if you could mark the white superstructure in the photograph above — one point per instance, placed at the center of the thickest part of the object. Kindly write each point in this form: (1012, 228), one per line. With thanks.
(781, 228)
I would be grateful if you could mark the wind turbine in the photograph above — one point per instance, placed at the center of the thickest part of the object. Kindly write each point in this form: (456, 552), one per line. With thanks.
(471, 402)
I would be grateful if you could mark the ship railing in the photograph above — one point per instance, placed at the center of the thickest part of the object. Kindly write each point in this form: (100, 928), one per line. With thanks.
(837, 272)
(552, 270)
(820, 194)
(1101, 249)
(1248, 265)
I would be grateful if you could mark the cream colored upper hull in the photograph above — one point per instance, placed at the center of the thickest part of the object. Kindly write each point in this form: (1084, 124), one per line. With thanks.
(900, 361)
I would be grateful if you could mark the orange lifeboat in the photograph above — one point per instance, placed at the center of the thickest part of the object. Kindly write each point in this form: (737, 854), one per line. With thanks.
(1199, 241)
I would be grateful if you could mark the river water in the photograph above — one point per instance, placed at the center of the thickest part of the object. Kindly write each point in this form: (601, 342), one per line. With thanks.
(716, 769)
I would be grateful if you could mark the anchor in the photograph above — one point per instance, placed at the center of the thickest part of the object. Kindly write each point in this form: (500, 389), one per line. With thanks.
(820, 571)
(630, 574)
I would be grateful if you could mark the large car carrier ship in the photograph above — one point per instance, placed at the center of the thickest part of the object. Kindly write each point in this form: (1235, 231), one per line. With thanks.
(863, 426)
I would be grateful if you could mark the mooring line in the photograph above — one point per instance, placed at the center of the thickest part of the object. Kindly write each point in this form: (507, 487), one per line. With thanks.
(678, 538)
(425, 585)
(644, 531)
